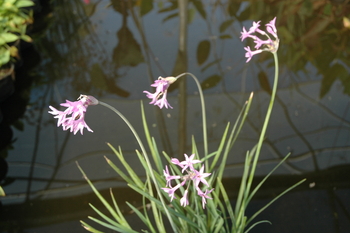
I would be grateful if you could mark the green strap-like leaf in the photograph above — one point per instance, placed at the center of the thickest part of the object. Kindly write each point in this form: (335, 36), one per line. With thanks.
(89, 228)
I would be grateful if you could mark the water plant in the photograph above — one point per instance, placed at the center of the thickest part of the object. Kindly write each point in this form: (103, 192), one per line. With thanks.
(188, 195)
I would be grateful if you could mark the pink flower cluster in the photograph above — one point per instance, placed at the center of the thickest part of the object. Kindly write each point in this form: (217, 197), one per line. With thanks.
(159, 97)
(193, 175)
(73, 117)
(270, 45)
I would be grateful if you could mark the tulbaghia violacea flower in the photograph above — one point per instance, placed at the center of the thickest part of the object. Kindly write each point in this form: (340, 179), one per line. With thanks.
(199, 177)
(192, 175)
(159, 97)
(73, 117)
(169, 177)
(188, 163)
(204, 196)
(270, 44)
(184, 200)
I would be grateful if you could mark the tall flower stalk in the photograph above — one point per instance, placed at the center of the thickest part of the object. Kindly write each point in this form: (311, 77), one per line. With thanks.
(272, 47)
(159, 99)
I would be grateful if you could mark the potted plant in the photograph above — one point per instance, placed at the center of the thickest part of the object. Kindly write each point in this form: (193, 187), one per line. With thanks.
(15, 16)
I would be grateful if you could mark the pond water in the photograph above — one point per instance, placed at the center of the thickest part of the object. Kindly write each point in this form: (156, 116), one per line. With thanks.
(113, 50)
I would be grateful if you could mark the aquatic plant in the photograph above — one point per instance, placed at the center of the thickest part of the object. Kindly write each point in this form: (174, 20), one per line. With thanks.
(199, 209)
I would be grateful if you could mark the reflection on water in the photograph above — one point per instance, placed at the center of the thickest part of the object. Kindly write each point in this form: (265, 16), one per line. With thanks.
(114, 50)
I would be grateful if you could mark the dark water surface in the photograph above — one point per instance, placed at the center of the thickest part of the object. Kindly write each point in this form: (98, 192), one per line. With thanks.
(115, 49)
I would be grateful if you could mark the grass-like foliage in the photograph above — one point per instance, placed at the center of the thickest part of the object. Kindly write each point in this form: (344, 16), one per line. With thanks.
(217, 216)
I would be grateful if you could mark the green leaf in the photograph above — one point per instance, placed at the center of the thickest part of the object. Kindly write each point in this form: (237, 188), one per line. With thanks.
(226, 36)
(26, 38)
(226, 199)
(4, 57)
(273, 200)
(145, 220)
(327, 9)
(224, 25)
(191, 14)
(257, 223)
(24, 3)
(9, 2)
(9, 37)
(146, 6)
(203, 51)
(121, 219)
(2, 41)
(210, 64)
(14, 52)
(97, 193)
(152, 145)
(89, 228)
(112, 227)
(107, 219)
(2, 192)
(174, 213)
(173, 6)
(199, 7)
(233, 7)
(243, 192)
(211, 81)
(170, 17)
(134, 177)
(221, 146)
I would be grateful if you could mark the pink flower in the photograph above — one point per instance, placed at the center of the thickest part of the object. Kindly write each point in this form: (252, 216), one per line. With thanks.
(171, 191)
(249, 54)
(168, 177)
(255, 28)
(192, 175)
(188, 163)
(159, 97)
(176, 162)
(246, 34)
(271, 28)
(204, 196)
(73, 117)
(270, 44)
(199, 177)
(184, 200)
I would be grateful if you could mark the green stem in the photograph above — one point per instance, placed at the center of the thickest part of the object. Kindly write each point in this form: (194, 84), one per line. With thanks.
(266, 122)
(205, 141)
(146, 158)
